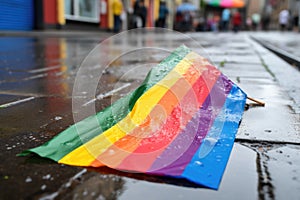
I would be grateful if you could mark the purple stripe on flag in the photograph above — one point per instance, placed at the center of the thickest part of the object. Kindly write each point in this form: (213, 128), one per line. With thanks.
(184, 146)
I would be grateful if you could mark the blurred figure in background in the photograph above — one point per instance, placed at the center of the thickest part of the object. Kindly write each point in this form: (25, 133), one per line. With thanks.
(215, 22)
(163, 14)
(202, 25)
(248, 23)
(236, 21)
(209, 22)
(255, 21)
(265, 22)
(140, 14)
(184, 16)
(225, 19)
(117, 8)
(295, 21)
(284, 17)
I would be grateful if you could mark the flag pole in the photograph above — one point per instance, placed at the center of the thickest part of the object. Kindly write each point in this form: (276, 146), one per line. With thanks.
(256, 101)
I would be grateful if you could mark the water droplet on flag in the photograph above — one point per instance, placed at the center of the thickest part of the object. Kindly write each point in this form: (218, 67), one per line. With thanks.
(198, 163)
(111, 151)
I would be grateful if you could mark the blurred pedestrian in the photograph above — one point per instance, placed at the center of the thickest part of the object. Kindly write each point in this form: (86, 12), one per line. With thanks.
(201, 26)
(295, 21)
(248, 23)
(215, 22)
(255, 21)
(162, 15)
(117, 8)
(209, 22)
(225, 19)
(236, 21)
(185, 13)
(284, 17)
(265, 22)
(140, 12)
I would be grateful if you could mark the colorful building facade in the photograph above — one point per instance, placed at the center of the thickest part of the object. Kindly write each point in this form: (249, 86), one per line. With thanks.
(65, 14)
(57, 14)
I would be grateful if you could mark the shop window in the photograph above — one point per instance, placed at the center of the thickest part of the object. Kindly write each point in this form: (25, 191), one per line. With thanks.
(82, 10)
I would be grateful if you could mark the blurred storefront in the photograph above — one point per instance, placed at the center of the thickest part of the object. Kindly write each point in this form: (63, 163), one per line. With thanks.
(76, 14)
(212, 13)
(83, 14)
(276, 6)
(53, 14)
(16, 15)
(82, 10)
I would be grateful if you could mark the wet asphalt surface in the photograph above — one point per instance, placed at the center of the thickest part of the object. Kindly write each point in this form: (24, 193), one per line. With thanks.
(38, 71)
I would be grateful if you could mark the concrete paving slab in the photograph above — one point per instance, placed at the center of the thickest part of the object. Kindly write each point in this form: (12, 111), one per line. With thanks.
(258, 81)
(236, 59)
(255, 74)
(286, 75)
(264, 123)
(243, 68)
(283, 164)
(260, 124)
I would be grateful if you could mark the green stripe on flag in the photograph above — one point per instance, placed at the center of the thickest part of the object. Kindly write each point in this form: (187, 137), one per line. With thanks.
(85, 130)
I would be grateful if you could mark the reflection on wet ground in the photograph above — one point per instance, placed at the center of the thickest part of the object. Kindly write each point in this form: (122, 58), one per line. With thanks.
(37, 76)
(134, 186)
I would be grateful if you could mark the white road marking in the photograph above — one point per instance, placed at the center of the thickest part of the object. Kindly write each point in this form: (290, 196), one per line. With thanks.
(102, 96)
(6, 105)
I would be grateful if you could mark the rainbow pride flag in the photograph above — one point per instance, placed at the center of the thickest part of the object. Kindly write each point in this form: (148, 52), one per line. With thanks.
(181, 122)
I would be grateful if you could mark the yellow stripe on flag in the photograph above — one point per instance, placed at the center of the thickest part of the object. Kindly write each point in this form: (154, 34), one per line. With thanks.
(88, 152)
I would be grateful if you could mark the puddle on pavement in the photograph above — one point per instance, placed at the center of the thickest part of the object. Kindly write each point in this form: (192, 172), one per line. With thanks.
(37, 76)
(240, 179)
(44, 69)
(105, 184)
(241, 168)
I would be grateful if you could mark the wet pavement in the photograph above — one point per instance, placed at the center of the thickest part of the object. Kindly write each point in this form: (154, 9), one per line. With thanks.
(288, 40)
(38, 71)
